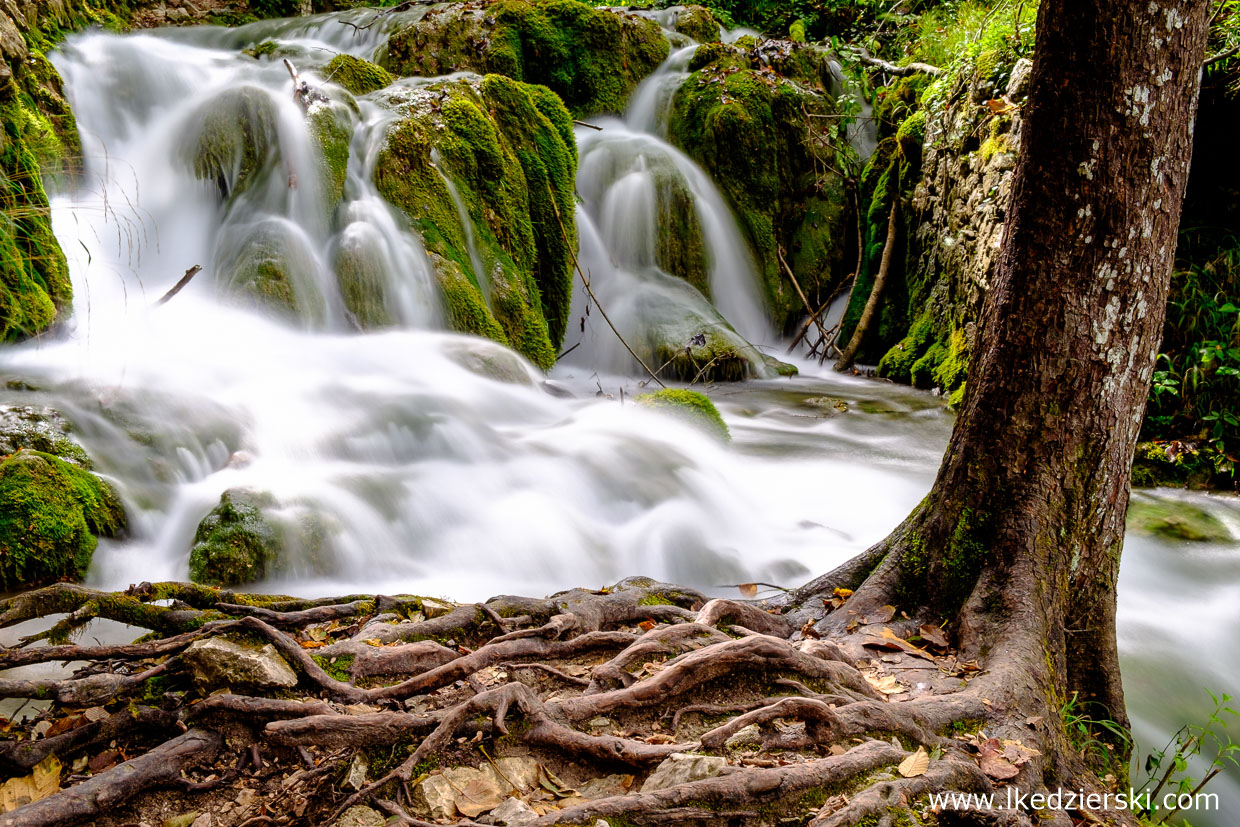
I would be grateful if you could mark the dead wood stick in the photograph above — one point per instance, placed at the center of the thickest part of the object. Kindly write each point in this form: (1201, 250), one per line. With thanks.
(849, 354)
(20, 757)
(107, 790)
(892, 69)
(808, 309)
(176, 288)
(588, 125)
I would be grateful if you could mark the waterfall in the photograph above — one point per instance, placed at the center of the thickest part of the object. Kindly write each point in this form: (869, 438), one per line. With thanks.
(428, 461)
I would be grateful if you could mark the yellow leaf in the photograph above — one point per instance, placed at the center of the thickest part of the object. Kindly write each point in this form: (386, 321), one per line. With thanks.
(748, 589)
(916, 764)
(887, 684)
(373, 641)
(844, 593)
(42, 782)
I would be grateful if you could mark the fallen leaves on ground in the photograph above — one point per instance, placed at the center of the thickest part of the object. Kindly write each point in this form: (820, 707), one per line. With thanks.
(916, 764)
(42, 782)
(993, 762)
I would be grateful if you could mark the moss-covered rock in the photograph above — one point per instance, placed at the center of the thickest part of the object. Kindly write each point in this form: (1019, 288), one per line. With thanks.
(679, 247)
(35, 289)
(360, 276)
(330, 130)
(51, 514)
(1176, 521)
(39, 429)
(250, 535)
(236, 543)
(690, 406)
(698, 23)
(507, 149)
(361, 77)
(268, 268)
(232, 137)
(591, 57)
(750, 127)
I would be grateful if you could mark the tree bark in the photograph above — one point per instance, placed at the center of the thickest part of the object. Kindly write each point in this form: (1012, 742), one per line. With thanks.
(849, 354)
(1021, 534)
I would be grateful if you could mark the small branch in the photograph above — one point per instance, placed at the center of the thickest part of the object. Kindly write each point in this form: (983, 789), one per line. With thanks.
(892, 69)
(1221, 56)
(176, 288)
(849, 353)
(588, 125)
(808, 308)
(577, 266)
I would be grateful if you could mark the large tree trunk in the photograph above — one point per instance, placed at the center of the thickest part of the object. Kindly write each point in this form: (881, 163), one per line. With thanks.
(1020, 537)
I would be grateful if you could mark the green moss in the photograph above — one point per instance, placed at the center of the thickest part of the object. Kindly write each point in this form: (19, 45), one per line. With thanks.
(358, 76)
(362, 282)
(236, 543)
(592, 58)
(897, 364)
(503, 146)
(1176, 521)
(993, 146)
(698, 23)
(51, 516)
(259, 50)
(35, 289)
(753, 131)
(923, 370)
(339, 667)
(236, 134)
(331, 137)
(679, 249)
(690, 406)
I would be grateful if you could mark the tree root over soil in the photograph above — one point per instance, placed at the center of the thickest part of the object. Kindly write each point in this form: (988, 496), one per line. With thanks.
(640, 704)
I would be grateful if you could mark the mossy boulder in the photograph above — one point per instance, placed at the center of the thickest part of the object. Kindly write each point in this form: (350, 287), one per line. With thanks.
(236, 543)
(591, 57)
(232, 137)
(690, 406)
(39, 429)
(683, 337)
(51, 514)
(1176, 521)
(361, 77)
(508, 151)
(250, 535)
(679, 248)
(361, 278)
(752, 129)
(698, 23)
(270, 267)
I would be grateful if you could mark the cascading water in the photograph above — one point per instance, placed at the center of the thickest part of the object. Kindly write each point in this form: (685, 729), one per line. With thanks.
(417, 473)
(417, 470)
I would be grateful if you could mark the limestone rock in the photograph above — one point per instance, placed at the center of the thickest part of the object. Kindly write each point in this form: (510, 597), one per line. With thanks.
(218, 662)
(358, 816)
(355, 779)
(750, 736)
(513, 812)
(681, 768)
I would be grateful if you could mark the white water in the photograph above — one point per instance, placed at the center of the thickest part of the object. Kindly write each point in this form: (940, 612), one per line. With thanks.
(431, 478)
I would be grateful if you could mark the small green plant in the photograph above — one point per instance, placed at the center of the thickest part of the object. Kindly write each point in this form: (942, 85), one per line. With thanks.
(1166, 771)
(1094, 739)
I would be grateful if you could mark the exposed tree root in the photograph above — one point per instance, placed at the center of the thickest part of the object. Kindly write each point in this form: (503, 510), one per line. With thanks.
(393, 691)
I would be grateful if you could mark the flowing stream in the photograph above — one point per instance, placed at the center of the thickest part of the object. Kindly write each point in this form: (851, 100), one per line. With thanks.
(420, 471)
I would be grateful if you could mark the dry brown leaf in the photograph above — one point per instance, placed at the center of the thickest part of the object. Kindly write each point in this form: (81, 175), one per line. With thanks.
(887, 684)
(42, 782)
(479, 795)
(748, 589)
(311, 644)
(883, 615)
(646, 625)
(993, 763)
(916, 764)
(933, 636)
(887, 639)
